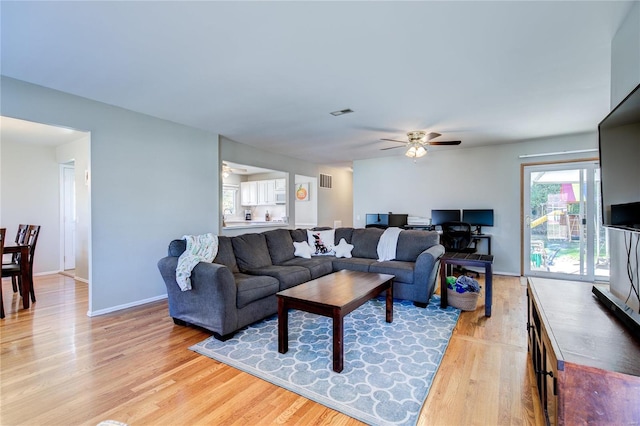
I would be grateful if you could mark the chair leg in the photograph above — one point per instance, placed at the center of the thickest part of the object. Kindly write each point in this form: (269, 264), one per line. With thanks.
(32, 292)
(1, 303)
(13, 283)
(19, 283)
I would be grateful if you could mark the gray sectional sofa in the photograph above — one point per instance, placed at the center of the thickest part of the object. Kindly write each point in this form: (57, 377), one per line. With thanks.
(239, 287)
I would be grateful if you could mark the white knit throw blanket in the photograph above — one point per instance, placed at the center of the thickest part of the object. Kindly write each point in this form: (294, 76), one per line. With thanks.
(200, 248)
(388, 243)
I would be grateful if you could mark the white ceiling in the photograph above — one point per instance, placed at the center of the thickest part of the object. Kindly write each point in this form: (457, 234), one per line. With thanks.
(28, 132)
(268, 73)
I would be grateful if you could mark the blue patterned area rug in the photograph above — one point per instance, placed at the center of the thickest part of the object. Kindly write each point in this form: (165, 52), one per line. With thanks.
(388, 367)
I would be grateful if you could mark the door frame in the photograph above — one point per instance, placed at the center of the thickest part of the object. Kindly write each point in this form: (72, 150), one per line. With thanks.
(63, 222)
(523, 215)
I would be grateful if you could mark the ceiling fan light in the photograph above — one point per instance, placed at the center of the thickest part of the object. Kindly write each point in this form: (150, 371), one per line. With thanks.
(411, 152)
(420, 152)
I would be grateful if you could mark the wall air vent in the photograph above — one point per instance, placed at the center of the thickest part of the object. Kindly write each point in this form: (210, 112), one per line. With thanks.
(325, 181)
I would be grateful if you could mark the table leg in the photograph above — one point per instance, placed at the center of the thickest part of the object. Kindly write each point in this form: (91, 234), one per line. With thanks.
(338, 349)
(488, 283)
(443, 284)
(283, 326)
(389, 307)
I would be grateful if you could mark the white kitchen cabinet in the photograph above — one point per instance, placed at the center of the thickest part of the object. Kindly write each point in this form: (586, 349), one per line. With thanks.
(281, 184)
(249, 193)
(266, 192)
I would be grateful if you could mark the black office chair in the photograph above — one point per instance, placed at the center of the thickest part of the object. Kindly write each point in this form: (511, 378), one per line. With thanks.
(457, 237)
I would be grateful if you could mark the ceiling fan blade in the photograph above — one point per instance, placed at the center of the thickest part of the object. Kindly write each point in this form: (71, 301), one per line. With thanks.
(433, 135)
(446, 143)
(392, 147)
(394, 140)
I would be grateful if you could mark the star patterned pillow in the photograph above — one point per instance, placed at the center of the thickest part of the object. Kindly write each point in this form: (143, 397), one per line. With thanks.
(302, 249)
(343, 249)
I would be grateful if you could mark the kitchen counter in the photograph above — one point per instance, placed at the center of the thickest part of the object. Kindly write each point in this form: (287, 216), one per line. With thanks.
(243, 224)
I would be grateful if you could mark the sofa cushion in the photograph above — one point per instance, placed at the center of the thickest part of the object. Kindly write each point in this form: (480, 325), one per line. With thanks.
(318, 266)
(352, 264)
(403, 271)
(345, 233)
(298, 235)
(288, 276)
(225, 255)
(251, 251)
(280, 245)
(177, 247)
(413, 242)
(365, 242)
(254, 287)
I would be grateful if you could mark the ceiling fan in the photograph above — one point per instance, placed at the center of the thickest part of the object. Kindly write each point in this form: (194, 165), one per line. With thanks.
(226, 170)
(417, 143)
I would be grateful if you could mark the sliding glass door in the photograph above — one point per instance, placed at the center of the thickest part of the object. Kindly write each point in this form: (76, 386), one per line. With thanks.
(563, 236)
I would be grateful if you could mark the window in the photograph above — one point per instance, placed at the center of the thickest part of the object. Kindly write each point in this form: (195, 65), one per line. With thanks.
(229, 200)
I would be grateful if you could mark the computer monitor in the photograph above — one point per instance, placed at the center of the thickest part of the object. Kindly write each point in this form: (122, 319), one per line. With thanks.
(377, 219)
(438, 217)
(478, 218)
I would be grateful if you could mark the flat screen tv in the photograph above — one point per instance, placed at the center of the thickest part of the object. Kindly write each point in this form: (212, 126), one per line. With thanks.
(438, 217)
(619, 147)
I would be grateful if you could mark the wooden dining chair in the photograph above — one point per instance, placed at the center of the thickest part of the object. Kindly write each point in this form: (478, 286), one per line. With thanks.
(15, 257)
(14, 270)
(3, 232)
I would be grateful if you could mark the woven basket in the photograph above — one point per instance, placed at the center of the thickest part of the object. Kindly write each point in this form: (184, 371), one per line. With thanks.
(465, 301)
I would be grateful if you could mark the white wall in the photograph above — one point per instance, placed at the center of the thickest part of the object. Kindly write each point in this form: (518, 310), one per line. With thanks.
(151, 181)
(336, 203)
(30, 194)
(625, 75)
(484, 177)
(307, 211)
(625, 57)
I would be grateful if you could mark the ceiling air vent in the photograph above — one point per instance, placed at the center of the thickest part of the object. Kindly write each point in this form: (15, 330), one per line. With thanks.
(341, 112)
(325, 181)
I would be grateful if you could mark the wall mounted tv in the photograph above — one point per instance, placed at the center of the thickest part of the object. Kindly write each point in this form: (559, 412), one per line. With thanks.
(619, 146)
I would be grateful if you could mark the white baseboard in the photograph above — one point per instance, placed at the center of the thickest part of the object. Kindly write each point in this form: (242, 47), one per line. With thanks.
(125, 306)
(39, 274)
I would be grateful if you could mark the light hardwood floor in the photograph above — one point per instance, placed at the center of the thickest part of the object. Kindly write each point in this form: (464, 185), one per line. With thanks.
(60, 367)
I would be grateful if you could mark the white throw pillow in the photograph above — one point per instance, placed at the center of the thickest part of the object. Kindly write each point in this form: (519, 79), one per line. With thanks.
(321, 242)
(343, 249)
(302, 249)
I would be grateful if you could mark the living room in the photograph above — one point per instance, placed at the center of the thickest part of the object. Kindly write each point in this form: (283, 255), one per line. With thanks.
(120, 170)
(171, 164)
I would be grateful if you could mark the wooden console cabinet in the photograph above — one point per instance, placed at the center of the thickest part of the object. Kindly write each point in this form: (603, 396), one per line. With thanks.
(587, 365)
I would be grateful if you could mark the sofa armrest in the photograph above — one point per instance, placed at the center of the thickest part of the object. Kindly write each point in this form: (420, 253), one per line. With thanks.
(211, 302)
(426, 271)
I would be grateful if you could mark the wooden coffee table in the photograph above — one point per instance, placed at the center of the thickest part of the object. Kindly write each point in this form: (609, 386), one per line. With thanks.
(334, 296)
